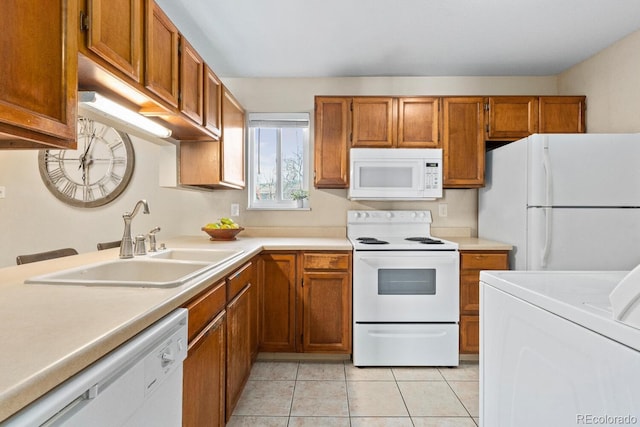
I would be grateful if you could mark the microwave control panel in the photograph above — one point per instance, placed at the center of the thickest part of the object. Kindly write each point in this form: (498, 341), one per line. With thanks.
(433, 175)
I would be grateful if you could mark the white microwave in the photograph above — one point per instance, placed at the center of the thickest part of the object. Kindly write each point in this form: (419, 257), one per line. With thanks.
(395, 174)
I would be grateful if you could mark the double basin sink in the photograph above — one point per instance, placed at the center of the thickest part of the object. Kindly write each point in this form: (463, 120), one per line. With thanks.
(165, 269)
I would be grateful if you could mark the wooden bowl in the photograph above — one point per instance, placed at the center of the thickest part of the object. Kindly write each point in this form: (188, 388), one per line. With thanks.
(222, 233)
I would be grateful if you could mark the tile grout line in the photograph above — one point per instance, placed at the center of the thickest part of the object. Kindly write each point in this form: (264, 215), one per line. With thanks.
(293, 395)
(458, 397)
(395, 378)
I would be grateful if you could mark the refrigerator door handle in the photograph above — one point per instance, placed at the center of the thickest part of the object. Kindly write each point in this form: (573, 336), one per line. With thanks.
(547, 238)
(546, 164)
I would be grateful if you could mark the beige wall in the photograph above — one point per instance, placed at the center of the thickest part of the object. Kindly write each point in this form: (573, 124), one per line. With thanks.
(611, 81)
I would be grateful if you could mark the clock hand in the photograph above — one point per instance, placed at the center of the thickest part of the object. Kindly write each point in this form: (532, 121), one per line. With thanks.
(84, 155)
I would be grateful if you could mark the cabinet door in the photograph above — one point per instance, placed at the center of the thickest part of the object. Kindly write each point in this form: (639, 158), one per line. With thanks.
(115, 34)
(471, 263)
(326, 312)
(233, 124)
(38, 94)
(331, 158)
(203, 400)
(161, 55)
(418, 122)
(191, 82)
(511, 117)
(469, 334)
(463, 142)
(277, 278)
(374, 122)
(212, 102)
(562, 114)
(238, 347)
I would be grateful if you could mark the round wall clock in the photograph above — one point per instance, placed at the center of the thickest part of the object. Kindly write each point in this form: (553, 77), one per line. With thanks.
(96, 172)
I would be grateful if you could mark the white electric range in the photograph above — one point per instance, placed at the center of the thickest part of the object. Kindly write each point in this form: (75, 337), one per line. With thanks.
(405, 290)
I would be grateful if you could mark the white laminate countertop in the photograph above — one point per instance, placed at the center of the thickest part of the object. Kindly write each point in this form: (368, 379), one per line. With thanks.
(51, 332)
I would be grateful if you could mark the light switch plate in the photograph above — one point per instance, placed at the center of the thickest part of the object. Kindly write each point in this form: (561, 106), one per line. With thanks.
(235, 209)
(442, 209)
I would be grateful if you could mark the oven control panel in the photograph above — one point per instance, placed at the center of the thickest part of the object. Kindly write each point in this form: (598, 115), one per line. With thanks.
(389, 217)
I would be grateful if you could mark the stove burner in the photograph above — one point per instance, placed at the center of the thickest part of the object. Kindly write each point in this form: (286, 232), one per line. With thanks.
(371, 241)
(425, 240)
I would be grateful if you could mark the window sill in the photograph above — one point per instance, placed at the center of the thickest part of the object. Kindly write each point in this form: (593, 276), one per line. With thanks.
(278, 208)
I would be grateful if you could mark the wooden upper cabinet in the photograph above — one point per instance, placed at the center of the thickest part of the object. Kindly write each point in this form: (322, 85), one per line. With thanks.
(374, 122)
(212, 102)
(114, 36)
(562, 114)
(511, 117)
(161, 59)
(463, 142)
(233, 125)
(418, 125)
(39, 89)
(217, 164)
(191, 82)
(331, 142)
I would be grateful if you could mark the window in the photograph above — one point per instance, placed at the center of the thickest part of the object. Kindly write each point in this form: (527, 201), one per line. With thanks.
(278, 160)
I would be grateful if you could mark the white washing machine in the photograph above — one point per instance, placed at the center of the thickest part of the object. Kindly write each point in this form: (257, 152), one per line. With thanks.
(551, 353)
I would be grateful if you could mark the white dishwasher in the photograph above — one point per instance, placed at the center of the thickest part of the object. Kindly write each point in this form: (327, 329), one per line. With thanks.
(137, 384)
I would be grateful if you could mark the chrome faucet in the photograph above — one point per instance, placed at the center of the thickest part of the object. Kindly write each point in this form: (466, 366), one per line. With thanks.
(126, 247)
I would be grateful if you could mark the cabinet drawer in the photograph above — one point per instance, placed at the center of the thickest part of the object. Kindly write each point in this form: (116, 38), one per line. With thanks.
(238, 280)
(205, 308)
(326, 261)
(484, 261)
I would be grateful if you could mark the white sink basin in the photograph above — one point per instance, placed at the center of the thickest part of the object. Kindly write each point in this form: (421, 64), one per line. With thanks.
(146, 272)
(214, 256)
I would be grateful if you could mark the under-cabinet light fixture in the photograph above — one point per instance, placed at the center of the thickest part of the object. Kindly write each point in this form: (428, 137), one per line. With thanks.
(116, 111)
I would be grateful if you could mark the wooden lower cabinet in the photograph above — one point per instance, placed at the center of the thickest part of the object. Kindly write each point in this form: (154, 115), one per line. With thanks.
(238, 347)
(222, 346)
(471, 263)
(326, 313)
(276, 279)
(305, 302)
(204, 377)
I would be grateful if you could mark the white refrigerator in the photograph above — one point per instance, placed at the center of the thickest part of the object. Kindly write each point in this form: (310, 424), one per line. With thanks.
(565, 201)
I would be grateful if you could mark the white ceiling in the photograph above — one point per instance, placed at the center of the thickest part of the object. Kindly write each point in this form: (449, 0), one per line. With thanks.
(343, 38)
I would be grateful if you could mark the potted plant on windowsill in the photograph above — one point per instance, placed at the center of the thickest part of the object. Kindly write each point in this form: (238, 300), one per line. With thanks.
(299, 196)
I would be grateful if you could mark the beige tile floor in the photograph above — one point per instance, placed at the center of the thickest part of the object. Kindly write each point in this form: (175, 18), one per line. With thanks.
(300, 394)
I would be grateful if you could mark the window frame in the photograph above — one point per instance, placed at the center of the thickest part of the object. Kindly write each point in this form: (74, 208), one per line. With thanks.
(252, 160)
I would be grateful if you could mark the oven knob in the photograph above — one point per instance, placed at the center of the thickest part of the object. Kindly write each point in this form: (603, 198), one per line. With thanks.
(389, 215)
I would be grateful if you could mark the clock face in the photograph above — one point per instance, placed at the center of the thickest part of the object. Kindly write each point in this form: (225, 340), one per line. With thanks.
(96, 172)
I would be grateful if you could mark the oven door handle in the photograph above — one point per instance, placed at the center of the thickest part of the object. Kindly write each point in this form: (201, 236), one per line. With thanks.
(406, 263)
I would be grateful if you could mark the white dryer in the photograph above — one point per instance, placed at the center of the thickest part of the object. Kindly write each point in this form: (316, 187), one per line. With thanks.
(551, 353)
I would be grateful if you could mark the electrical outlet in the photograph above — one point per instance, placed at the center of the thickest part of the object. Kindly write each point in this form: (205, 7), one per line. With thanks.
(442, 209)
(235, 209)
(2, 192)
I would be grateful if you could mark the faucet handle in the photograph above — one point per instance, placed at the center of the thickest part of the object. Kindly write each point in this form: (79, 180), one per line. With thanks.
(152, 239)
(140, 248)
